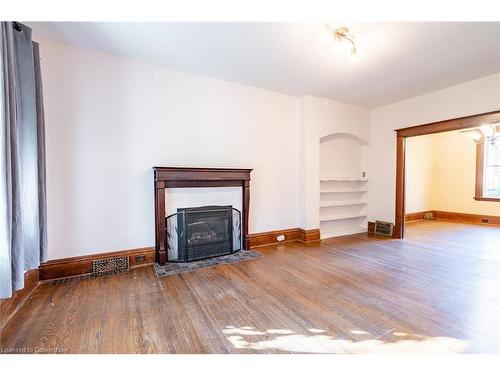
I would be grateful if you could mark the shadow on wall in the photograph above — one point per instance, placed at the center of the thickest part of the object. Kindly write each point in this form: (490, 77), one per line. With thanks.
(318, 341)
(349, 136)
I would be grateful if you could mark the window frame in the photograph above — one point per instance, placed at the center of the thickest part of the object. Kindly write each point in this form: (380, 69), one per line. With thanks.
(479, 195)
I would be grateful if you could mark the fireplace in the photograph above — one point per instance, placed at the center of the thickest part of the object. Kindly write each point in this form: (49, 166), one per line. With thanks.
(181, 177)
(196, 233)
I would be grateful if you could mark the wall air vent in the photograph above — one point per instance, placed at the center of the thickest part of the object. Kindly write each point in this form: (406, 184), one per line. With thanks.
(384, 228)
(428, 216)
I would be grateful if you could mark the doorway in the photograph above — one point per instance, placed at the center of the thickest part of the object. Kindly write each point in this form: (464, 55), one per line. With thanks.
(431, 128)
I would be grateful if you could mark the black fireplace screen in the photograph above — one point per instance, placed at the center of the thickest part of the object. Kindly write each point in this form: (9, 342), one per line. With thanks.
(202, 232)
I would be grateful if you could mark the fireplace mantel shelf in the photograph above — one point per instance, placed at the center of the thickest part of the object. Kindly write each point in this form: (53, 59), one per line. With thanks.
(182, 177)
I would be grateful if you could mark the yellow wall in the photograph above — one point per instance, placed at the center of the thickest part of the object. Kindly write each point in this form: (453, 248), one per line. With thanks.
(441, 171)
(419, 158)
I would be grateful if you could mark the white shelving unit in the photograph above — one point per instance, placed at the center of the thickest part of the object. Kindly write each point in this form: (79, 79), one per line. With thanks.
(343, 179)
(345, 190)
(344, 232)
(341, 217)
(343, 205)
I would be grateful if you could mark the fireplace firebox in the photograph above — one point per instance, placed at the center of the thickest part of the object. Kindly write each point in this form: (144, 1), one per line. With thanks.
(196, 233)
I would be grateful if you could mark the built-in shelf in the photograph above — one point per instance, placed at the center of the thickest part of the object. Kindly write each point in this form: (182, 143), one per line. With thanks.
(344, 190)
(343, 185)
(343, 232)
(343, 179)
(342, 217)
(341, 203)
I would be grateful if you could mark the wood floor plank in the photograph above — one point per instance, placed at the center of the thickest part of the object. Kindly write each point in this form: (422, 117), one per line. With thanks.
(437, 290)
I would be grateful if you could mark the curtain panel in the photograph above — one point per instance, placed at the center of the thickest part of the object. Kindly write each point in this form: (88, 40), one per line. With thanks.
(23, 230)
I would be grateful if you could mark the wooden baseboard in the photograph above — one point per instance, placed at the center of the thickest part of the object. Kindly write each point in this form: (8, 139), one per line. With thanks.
(58, 268)
(371, 227)
(456, 216)
(66, 267)
(415, 216)
(467, 218)
(309, 235)
(268, 238)
(9, 306)
(294, 234)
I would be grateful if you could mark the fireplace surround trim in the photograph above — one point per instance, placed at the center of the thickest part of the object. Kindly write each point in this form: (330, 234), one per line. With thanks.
(183, 177)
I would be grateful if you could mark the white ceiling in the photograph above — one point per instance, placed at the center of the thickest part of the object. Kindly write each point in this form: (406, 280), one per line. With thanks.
(396, 60)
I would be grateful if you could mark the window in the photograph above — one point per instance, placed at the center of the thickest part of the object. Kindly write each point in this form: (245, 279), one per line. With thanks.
(488, 170)
(491, 182)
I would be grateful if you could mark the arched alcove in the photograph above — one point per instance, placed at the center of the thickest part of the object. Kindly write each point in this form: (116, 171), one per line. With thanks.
(340, 156)
(343, 185)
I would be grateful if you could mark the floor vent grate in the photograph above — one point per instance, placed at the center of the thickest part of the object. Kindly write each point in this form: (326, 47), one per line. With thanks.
(105, 266)
(384, 228)
(428, 216)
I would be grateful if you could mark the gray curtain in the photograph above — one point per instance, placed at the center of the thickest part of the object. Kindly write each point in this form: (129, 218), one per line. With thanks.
(23, 228)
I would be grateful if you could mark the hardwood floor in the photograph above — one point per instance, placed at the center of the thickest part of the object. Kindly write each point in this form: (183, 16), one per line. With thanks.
(438, 290)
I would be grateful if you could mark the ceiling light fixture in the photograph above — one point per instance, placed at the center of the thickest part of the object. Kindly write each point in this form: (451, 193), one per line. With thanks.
(342, 34)
(487, 132)
(476, 136)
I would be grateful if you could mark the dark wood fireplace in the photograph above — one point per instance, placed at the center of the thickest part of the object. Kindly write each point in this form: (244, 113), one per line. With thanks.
(178, 177)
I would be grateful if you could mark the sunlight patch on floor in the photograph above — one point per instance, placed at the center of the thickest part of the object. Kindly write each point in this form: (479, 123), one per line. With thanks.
(399, 334)
(359, 332)
(315, 330)
(280, 331)
(231, 330)
(288, 340)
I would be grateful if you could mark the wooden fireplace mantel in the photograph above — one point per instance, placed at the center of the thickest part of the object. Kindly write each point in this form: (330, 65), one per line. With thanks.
(180, 177)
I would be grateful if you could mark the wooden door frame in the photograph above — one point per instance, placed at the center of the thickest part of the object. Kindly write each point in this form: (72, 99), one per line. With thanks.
(424, 129)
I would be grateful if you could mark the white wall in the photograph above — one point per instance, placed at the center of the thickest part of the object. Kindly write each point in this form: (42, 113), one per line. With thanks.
(196, 197)
(441, 174)
(340, 157)
(478, 96)
(109, 120)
